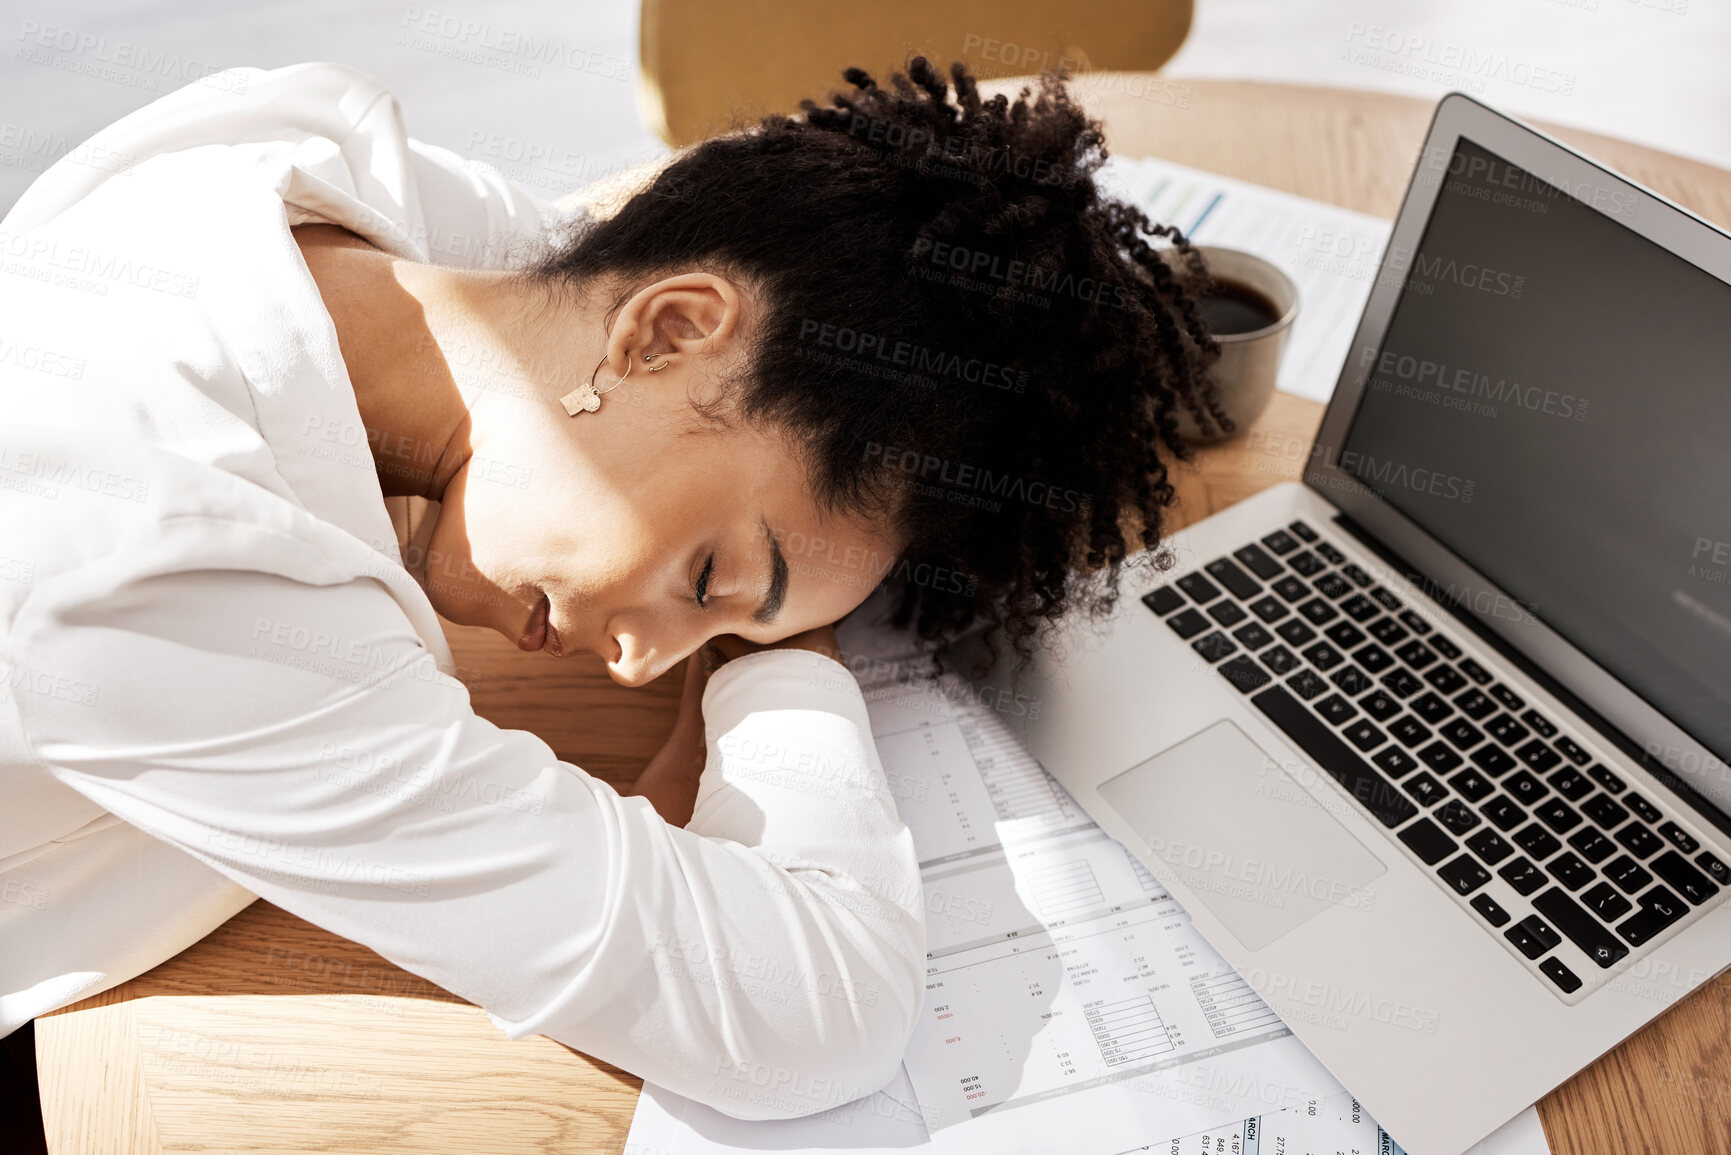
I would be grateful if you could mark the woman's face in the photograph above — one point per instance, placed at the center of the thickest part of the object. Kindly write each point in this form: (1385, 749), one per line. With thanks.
(623, 518)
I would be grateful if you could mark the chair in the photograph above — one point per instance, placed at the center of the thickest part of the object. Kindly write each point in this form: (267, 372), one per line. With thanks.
(707, 66)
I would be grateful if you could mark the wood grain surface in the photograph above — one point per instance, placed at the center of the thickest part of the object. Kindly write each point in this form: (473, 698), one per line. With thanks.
(272, 1035)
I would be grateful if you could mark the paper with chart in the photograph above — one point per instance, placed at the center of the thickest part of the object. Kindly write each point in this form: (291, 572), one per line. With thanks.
(1070, 1005)
(1330, 253)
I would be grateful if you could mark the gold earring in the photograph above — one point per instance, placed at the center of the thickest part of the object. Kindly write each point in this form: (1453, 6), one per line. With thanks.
(586, 398)
(650, 357)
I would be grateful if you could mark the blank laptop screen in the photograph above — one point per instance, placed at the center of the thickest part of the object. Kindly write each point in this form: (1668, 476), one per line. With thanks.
(1553, 403)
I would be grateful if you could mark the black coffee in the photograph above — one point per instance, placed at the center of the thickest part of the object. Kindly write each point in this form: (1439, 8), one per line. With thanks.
(1235, 307)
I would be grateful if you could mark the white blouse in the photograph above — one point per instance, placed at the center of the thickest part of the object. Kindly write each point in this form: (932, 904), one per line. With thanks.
(218, 679)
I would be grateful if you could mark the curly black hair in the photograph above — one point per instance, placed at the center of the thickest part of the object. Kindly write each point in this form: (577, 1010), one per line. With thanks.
(962, 333)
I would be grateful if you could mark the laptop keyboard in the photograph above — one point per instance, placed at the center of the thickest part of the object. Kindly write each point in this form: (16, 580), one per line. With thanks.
(1511, 814)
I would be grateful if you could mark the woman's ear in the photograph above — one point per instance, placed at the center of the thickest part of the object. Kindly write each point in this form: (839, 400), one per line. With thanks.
(690, 320)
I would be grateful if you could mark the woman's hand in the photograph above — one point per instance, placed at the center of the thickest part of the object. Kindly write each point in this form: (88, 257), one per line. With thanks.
(670, 779)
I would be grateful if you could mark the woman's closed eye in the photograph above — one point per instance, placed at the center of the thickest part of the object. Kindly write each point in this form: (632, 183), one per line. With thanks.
(703, 582)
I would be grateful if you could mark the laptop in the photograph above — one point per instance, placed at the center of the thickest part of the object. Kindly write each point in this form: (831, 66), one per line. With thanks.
(1432, 745)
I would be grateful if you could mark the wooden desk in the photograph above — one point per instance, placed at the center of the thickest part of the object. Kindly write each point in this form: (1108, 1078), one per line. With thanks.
(272, 1035)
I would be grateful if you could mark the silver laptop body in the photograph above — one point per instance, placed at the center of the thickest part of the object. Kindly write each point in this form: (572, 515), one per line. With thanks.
(1519, 506)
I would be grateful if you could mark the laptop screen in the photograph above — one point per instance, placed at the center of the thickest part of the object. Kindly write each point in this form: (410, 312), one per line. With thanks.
(1552, 401)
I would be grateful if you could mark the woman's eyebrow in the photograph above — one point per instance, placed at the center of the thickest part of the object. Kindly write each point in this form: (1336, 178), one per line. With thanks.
(777, 592)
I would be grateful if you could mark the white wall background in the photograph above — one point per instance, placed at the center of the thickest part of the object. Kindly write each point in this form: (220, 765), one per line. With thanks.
(1658, 71)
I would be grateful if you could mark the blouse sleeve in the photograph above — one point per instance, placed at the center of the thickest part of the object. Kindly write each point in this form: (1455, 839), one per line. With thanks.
(767, 959)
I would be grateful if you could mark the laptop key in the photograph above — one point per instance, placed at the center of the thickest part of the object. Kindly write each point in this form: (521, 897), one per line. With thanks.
(1214, 646)
(1525, 788)
(1439, 757)
(1318, 612)
(1415, 623)
(1638, 840)
(1428, 841)
(1585, 931)
(1507, 697)
(1558, 815)
(1537, 841)
(1387, 631)
(1327, 550)
(1462, 734)
(1463, 873)
(1306, 563)
(1532, 937)
(1226, 571)
(1364, 735)
(1302, 530)
(1642, 807)
(1351, 680)
(1385, 599)
(1592, 845)
(1570, 783)
(1505, 729)
(1567, 981)
(1715, 869)
(1570, 870)
(1416, 654)
(1457, 817)
(1571, 750)
(1269, 608)
(1358, 576)
(1427, 791)
(1410, 731)
(1523, 876)
(1505, 815)
(1475, 705)
(1542, 725)
(1604, 810)
(1280, 542)
(1627, 874)
(1471, 785)
(1379, 706)
(1163, 600)
(1446, 679)
(1373, 658)
(1332, 586)
(1253, 636)
(1659, 908)
(1359, 608)
(1402, 683)
(1200, 589)
(1606, 779)
(1678, 837)
(1344, 634)
(1445, 647)
(1280, 660)
(1340, 761)
(1227, 613)
(1493, 914)
(1603, 900)
(1493, 760)
(1336, 709)
(1244, 674)
(1490, 846)
(1396, 761)
(1306, 684)
(1430, 707)
(1538, 755)
(1683, 877)
(1323, 656)
(1290, 589)
(1475, 671)
(1295, 632)
(1253, 559)
(1187, 624)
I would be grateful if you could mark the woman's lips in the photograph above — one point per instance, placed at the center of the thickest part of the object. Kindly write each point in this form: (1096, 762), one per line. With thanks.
(536, 632)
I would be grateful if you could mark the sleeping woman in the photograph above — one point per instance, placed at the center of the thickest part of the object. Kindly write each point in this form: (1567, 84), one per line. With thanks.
(899, 341)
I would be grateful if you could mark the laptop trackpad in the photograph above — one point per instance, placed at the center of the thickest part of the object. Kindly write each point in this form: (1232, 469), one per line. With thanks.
(1258, 850)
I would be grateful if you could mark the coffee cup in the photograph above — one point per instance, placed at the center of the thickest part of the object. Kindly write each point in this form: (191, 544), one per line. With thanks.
(1250, 314)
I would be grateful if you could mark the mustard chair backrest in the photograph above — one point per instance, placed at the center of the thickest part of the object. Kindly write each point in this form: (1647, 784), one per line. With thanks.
(710, 65)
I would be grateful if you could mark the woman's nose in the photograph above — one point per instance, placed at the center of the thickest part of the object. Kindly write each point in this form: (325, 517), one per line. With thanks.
(639, 664)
